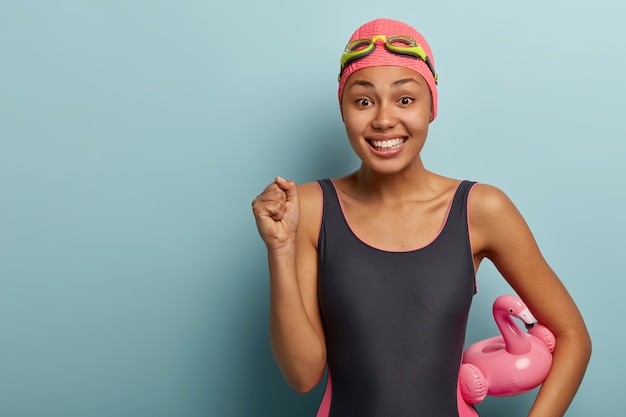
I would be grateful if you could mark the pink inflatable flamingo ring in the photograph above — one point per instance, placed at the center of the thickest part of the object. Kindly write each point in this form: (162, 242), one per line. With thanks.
(510, 364)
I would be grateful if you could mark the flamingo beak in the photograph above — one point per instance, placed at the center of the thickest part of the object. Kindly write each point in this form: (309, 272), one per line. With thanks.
(527, 317)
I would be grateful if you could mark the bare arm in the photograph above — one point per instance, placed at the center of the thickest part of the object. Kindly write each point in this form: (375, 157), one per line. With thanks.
(500, 234)
(287, 219)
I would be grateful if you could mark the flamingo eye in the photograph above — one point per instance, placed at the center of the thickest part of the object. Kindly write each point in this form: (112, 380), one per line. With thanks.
(511, 311)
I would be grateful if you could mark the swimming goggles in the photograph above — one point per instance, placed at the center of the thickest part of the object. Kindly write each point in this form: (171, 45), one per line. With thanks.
(399, 45)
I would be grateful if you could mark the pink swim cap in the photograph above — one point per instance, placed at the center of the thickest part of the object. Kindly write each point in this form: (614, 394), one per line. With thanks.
(381, 56)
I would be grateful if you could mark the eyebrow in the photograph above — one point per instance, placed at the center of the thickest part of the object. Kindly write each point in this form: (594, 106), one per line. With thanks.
(403, 81)
(363, 83)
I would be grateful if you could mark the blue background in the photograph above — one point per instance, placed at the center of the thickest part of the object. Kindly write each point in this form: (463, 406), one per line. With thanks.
(134, 135)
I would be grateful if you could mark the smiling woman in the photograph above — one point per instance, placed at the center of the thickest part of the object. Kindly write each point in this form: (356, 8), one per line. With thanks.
(375, 100)
(372, 274)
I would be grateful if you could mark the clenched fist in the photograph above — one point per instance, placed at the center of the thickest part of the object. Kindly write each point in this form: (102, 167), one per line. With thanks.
(276, 211)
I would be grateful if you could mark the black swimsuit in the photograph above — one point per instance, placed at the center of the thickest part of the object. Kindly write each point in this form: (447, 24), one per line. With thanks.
(394, 321)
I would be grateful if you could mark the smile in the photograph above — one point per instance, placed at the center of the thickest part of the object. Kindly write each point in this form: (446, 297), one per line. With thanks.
(387, 145)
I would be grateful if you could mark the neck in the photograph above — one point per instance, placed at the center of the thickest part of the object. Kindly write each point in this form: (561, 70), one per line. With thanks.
(515, 339)
(407, 184)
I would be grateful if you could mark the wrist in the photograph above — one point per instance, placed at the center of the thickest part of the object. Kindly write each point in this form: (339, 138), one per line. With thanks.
(282, 249)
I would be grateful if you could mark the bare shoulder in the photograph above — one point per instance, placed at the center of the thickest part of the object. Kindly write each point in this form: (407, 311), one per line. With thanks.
(311, 202)
(487, 201)
(494, 220)
(310, 196)
(309, 190)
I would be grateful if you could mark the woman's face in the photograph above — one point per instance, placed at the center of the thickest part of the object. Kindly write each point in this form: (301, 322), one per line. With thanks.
(386, 111)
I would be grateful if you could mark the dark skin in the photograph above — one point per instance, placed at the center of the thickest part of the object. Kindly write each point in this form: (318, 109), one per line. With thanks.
(387, 111)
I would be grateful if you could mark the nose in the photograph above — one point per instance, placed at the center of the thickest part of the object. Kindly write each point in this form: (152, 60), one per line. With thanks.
(384, 117)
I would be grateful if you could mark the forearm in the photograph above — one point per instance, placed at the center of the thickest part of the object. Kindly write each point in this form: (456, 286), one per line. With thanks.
(296, 344)
(570, 360)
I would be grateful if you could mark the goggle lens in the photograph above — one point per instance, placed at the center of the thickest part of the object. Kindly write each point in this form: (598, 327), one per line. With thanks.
(358, 45)
(401, 41)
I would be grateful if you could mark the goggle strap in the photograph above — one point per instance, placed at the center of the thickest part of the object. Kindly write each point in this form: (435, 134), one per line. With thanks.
(355, 57)
(403, 51)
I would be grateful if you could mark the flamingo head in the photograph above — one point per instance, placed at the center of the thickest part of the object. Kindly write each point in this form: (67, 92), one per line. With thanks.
(513, 306)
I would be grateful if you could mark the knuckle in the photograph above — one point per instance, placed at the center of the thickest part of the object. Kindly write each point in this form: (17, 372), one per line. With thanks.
(272, 208)
(272, 187)
(274, 196)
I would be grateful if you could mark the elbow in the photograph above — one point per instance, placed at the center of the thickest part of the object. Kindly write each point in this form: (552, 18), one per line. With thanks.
(584, 344)
(304, 384)
(585, 347)
(578, 342)
(588, 347)
(303, 387)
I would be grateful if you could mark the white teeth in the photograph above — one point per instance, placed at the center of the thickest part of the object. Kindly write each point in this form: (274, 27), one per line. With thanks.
(387, 144)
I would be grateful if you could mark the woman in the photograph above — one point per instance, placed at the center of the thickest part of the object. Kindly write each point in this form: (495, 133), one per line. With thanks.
(372, 274)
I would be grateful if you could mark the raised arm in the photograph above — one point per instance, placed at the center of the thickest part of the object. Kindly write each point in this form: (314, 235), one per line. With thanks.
(499, 233)
(288, 220)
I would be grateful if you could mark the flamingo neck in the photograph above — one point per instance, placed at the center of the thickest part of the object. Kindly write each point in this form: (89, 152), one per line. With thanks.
(515, 340)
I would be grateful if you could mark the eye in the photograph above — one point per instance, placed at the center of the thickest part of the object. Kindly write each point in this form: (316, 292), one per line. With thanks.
(405, 101)
(364, 102)
(511, 311)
